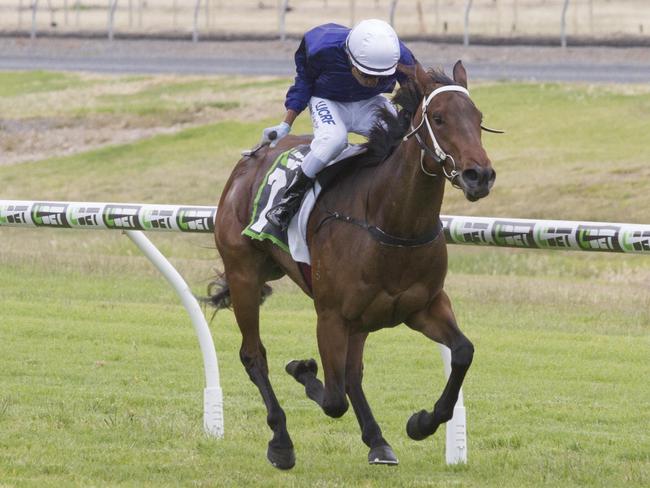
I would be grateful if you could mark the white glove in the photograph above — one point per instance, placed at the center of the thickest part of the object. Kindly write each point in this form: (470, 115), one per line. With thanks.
(272, 135)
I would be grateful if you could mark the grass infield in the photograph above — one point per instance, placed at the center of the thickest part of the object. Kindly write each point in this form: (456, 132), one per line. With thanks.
(101, 373)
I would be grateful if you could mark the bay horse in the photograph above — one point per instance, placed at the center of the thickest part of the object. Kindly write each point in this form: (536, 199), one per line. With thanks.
(378, 255)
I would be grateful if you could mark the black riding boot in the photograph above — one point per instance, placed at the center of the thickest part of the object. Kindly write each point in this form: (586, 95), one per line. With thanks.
(280, 215)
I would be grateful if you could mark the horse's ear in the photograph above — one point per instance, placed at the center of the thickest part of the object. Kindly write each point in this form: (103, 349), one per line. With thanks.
(460, 75)
(416, 74)
(406, 70)
(422, 78)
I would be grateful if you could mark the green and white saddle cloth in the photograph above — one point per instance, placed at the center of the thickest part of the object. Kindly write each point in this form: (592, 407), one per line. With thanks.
(278, 177)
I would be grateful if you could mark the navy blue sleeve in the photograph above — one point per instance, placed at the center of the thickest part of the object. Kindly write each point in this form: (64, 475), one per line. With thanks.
(406, 58)
(300, 92)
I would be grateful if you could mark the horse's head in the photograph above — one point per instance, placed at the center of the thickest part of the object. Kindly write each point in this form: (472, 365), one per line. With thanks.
(447, 126)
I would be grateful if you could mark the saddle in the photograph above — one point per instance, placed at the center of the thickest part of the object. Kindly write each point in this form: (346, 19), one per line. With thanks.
(277, 178)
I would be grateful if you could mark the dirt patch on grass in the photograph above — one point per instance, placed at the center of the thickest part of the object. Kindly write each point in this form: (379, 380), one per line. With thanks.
(41, 138)
(122, 109)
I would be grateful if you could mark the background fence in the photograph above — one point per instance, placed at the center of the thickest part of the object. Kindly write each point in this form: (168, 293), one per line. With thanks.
(433, 18)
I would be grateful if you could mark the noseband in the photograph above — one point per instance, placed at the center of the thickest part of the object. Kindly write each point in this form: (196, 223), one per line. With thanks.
(437, 153)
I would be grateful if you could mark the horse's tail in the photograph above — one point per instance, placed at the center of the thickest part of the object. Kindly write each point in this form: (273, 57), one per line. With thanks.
(219, 293)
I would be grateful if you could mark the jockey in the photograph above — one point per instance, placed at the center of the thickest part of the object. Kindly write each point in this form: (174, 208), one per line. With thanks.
(340, 75)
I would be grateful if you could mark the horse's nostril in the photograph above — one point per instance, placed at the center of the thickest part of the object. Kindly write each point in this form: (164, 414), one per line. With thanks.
(479, 176)
(471, 177)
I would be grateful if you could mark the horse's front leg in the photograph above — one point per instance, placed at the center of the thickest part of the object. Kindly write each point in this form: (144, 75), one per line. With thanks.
(438, 323)
(380, 450)
(332, 346)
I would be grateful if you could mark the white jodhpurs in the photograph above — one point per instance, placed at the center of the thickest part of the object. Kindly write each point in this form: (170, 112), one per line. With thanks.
(332, 121)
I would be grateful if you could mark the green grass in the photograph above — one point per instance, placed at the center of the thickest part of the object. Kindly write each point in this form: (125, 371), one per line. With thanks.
(102, 384)
(102, 376)
(157, 101)
(15, 84)
(570, 152)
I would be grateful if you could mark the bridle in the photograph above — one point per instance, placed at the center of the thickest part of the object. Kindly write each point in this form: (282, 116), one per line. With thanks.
(437, 153)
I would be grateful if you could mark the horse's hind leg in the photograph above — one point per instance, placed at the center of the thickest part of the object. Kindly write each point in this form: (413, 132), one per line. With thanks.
(332, 345)
(439, 324)
(380, 450)
(245, 290)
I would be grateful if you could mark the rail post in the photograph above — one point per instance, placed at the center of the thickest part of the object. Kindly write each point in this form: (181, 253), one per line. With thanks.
(563, 24)
(195, 28)
(468, 7)
(111, 17)
(391, 13)
(456, 428)
(32, 34)
(212, 394)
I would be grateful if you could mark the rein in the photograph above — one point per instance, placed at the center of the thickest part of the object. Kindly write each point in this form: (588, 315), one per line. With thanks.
(437, 153)
(383, 237)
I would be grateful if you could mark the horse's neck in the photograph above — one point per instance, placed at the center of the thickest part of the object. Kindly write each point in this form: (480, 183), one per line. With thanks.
(404, 200)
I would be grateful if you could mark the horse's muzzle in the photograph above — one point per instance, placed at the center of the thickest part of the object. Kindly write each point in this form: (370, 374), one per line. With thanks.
(477, 182)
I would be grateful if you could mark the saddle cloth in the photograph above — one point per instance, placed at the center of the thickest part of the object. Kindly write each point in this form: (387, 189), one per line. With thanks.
(278, 177)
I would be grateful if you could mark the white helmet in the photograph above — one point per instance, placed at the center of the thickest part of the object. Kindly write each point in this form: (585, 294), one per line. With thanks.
(373, 47)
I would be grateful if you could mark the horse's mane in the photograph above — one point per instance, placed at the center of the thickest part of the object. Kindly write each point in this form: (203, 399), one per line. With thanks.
(388, 131)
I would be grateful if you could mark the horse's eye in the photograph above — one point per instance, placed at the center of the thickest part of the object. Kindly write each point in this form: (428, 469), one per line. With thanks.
(437, 119)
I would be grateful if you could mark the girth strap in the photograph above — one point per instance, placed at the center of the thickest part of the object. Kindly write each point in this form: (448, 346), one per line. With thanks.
(383, 237)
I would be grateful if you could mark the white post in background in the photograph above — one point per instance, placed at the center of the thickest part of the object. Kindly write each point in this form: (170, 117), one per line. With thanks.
(456, 428)
(353, 8)
(563, 24)
(436, 8)
(112, 5)
(468, 7)
(282, 18)
(212, 394)
(195, 29)
(32, 35)
(49, 6)
(391, 13)
(422, 28)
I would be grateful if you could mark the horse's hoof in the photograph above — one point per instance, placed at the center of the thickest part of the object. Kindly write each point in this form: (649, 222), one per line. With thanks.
(297, 368)
(382, 455)
(416, 427)
(281, 457)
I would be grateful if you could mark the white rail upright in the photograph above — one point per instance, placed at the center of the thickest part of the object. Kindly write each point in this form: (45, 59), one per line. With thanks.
(468, 8)
(456, 428)
(282, 18)
(195, 24)
(563, 24)
(32, 33)
(212, 394)
(111, 18)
